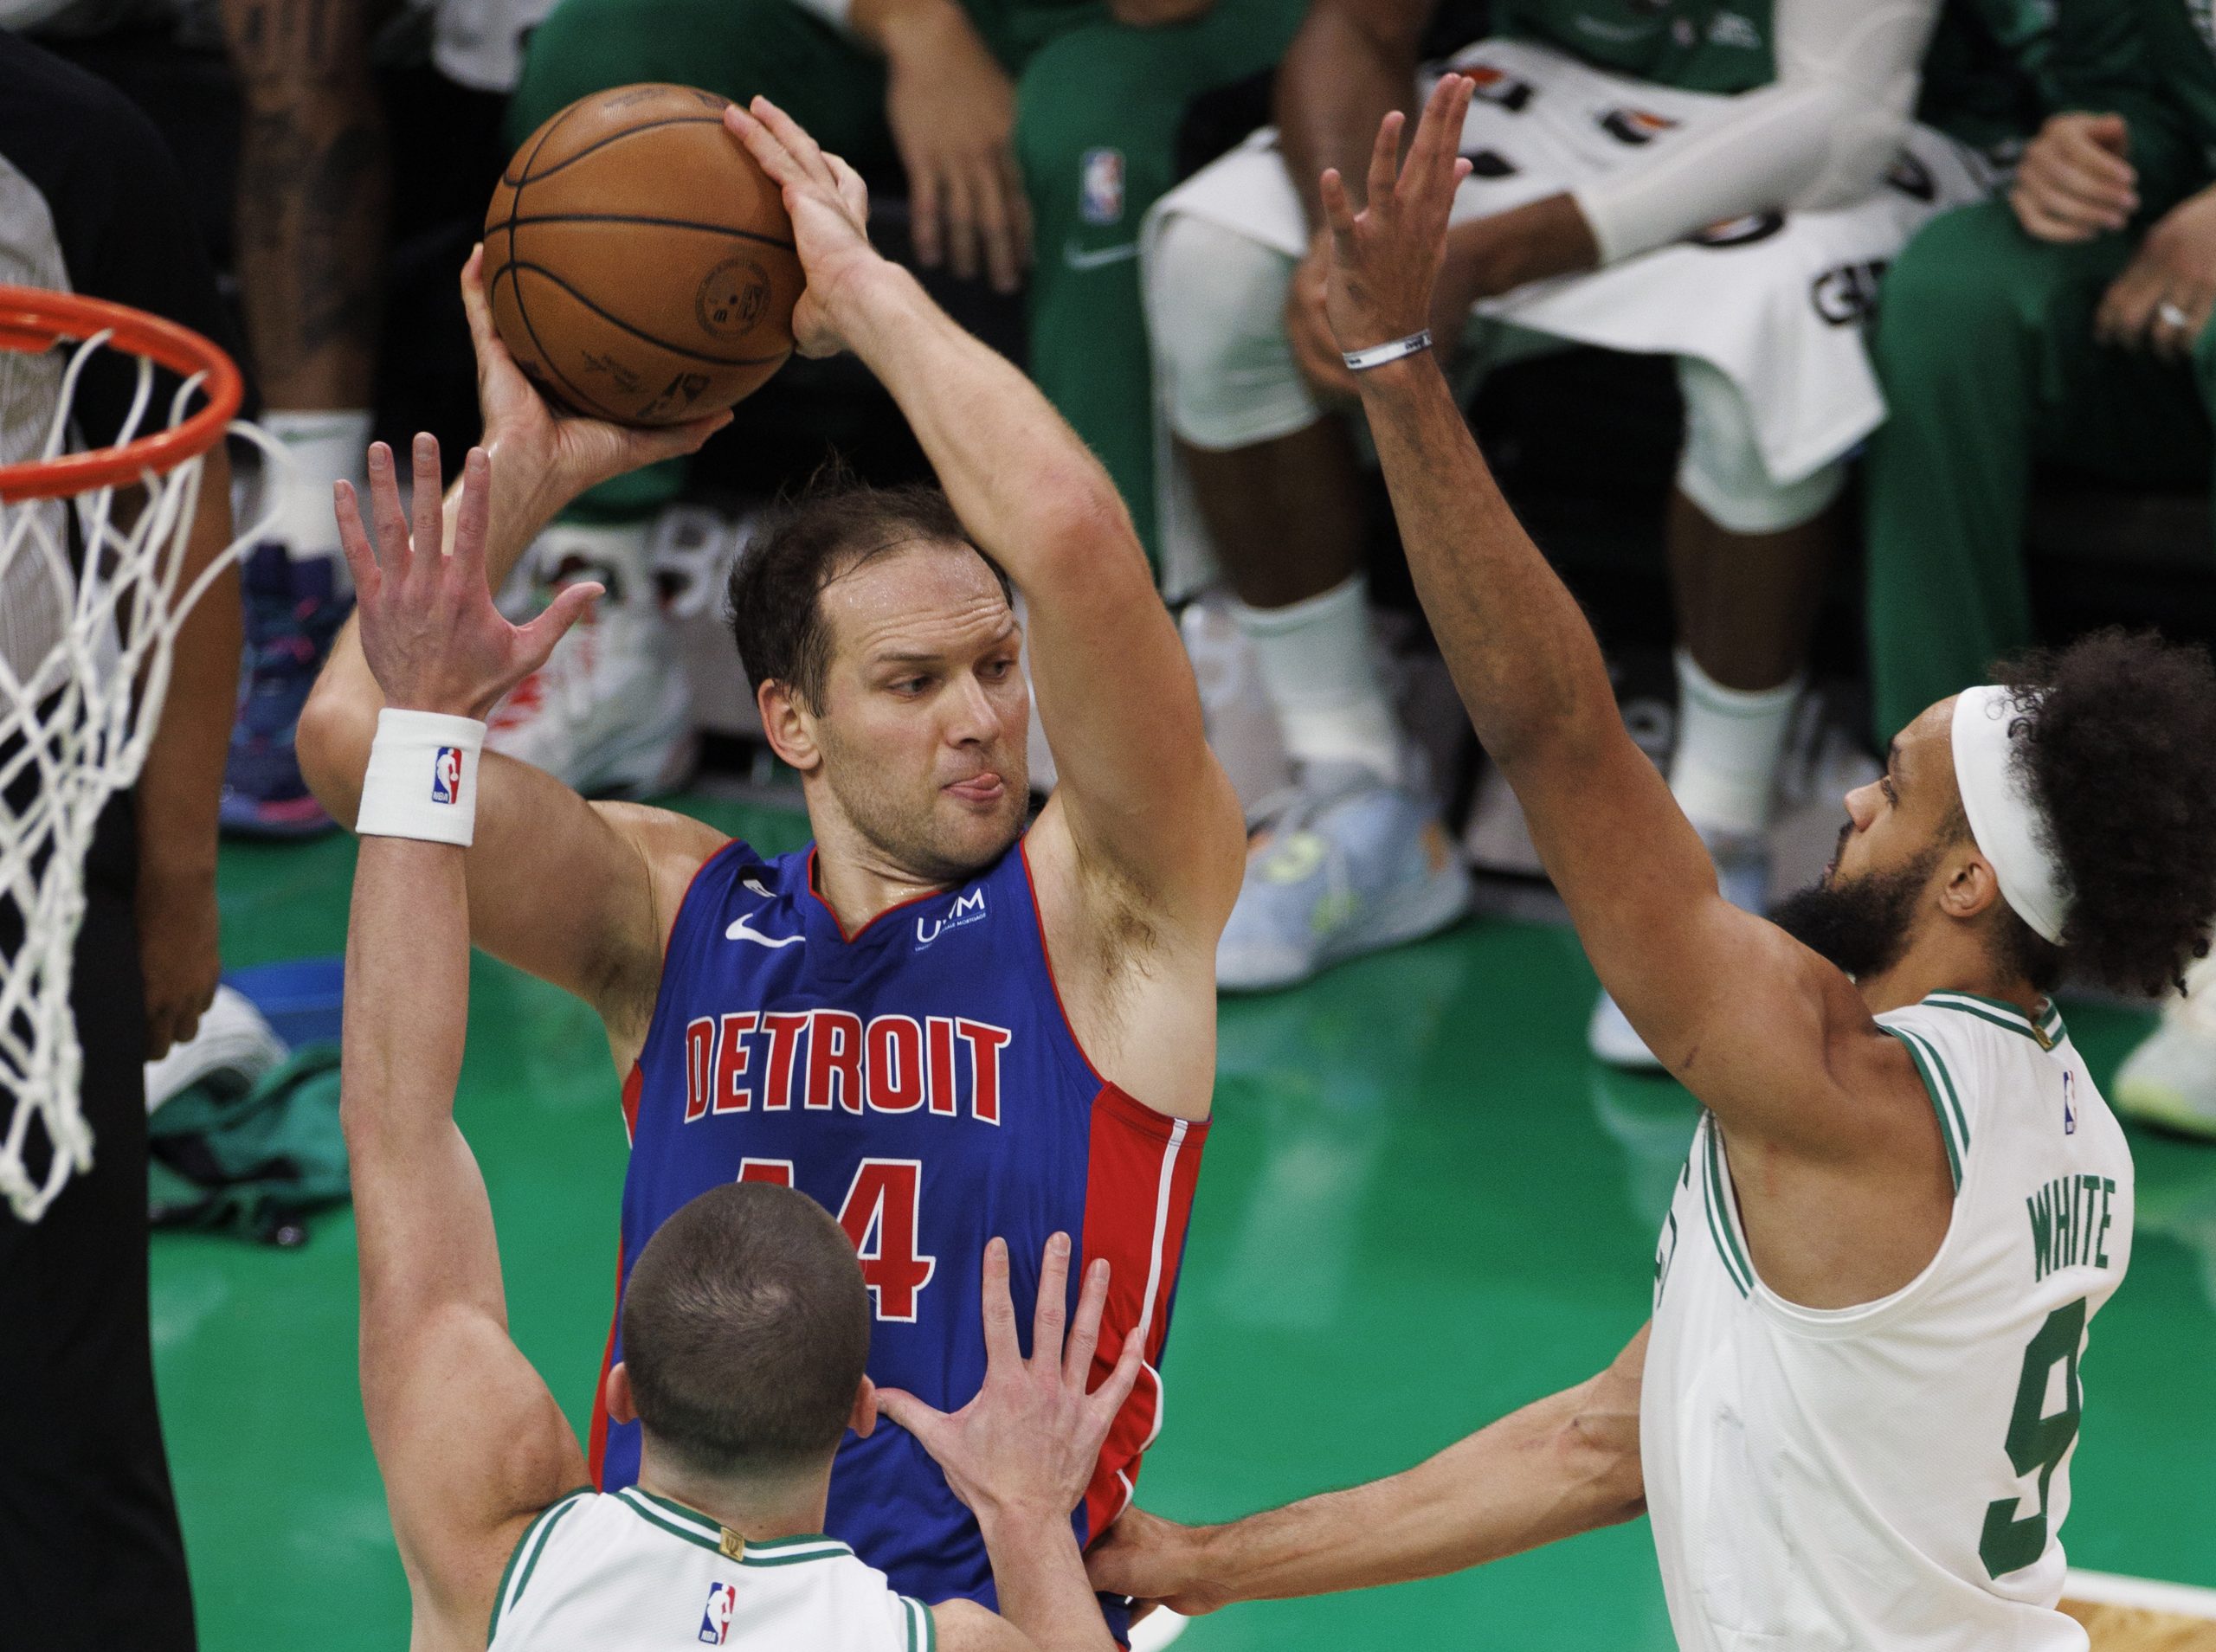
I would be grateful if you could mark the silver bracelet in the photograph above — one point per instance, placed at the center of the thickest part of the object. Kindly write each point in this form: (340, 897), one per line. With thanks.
(1378, 355)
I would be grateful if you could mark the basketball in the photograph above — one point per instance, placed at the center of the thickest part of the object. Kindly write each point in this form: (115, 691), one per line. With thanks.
(639, 261)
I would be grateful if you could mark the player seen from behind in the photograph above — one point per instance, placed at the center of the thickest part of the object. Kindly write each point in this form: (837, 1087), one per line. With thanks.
(1851, 1415)
(746, 1321)
(925, 1073)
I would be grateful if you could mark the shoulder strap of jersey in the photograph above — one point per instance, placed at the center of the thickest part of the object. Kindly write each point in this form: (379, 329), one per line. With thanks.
(1938, 1042)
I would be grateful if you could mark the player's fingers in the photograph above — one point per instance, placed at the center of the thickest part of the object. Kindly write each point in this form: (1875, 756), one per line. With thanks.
(354, 540)
(535, 641)
(1431, 158)
(996, 228)
(1001, 1348)
(466, 559)
(1384, 157)
(2032, 212)
(2067, 185)
(852, 189)
(430, 527)
(1085, 1330)
(474, 304)
(1050, 1311)
(386, 514)
(2086, 153)
(1338, 211)
(926, 1423)
(923, 212)
(1019, 207)
(672, 441)
(795, 137)
(762, 143)
(960, 211)
(1109, 1397)
(2125, 309)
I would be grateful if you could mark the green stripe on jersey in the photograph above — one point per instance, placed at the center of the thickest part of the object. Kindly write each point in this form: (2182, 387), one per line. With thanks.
(923, 1632)
(541, 1528)
(689, 1530)
(1938, 1085)
(1719, 1219)
(695, 1528)
(2046, 1033)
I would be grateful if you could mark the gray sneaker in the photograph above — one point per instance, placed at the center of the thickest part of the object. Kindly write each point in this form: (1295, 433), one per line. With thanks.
(1743, 873)
(1341, 865)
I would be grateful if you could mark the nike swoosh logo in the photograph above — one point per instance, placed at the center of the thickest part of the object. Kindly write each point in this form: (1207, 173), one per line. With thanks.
(742, 930)
(1078, 258)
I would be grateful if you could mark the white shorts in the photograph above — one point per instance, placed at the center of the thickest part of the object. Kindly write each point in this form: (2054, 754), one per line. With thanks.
(1766, 312)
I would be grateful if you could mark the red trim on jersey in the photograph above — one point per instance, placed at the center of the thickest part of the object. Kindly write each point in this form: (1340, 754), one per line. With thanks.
(1047, 957)
(596, 1437)
(1141, 1169)
(839, 923)
(632, 1085)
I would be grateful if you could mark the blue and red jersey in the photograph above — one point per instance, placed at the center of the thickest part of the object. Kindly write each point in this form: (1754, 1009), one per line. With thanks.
(919, 1080)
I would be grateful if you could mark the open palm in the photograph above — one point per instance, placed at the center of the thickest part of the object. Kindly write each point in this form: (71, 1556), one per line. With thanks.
(430, 631)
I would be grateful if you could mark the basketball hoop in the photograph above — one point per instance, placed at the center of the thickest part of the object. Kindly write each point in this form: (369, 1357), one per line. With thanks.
(78, 712)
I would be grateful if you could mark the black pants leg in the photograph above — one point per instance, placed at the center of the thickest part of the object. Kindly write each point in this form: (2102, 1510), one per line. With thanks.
(90, 1553)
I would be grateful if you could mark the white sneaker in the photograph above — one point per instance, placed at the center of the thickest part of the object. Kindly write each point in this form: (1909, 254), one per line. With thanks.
(610, 713)
(1341, 865)
(2170, 1079)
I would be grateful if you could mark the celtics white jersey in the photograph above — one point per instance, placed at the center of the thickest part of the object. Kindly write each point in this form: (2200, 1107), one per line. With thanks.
(1893, 1475)
(635, 1573)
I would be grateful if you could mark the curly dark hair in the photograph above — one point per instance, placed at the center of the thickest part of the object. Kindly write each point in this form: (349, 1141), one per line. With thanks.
(2119, 752)
(834, 523)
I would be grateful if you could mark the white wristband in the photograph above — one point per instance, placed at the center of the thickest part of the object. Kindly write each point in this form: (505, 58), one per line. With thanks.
(422, 778)
(1378, 355)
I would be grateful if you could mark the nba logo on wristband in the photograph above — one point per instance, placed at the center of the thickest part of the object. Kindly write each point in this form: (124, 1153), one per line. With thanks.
(446, 775)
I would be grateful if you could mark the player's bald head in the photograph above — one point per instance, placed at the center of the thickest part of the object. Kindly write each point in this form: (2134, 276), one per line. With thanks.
(745, 1331)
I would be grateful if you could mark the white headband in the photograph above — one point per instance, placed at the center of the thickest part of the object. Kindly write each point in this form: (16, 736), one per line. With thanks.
(2003, 819)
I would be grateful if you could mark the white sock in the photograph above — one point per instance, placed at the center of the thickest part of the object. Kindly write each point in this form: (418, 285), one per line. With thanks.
(1319, 672)
(1729, 742)
(326, 448)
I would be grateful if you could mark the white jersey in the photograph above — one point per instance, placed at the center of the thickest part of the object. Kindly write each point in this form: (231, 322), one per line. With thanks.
(633, 1573)
(1893, 1475)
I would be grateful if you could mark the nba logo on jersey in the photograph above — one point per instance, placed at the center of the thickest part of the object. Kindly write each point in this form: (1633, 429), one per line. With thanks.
(715, 1622)
(2069, 1104)
(446, 775)
(1100, 186)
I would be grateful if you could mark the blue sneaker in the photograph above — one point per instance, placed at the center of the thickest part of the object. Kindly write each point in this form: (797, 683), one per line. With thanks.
(1743, 875)
(292, 612)
(1341, 865)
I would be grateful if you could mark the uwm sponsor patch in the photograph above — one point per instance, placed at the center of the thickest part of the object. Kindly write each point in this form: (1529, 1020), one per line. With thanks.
(822, 1060)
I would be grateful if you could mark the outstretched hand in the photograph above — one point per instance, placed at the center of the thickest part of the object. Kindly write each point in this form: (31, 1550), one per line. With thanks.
(561, 455)
(829, 207)
(430, 631)
(1027, 1444)
(1386, 259)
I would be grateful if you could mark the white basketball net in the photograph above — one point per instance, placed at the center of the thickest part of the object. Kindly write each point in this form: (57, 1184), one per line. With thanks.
(85, 642)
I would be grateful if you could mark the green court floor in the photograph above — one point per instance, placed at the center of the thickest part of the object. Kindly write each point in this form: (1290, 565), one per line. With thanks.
(1422, 1206)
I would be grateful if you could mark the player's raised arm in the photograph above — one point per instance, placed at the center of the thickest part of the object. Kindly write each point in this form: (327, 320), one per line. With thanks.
(1115, 692)
(1561, 1465)
(469, 1442)
(1729, 1003)
(602, 940)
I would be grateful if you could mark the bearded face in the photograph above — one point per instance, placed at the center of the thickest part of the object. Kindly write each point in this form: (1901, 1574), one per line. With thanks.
(1860, 923)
